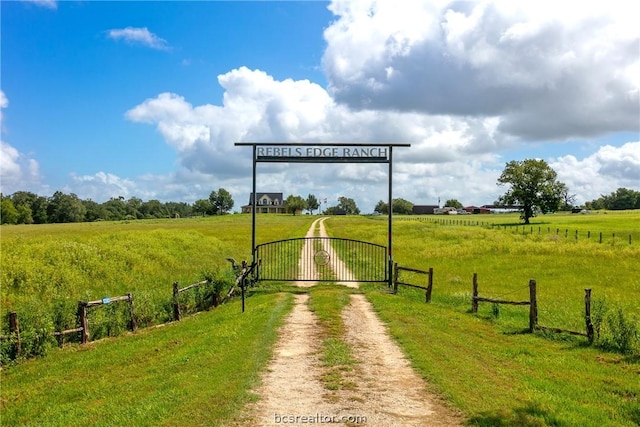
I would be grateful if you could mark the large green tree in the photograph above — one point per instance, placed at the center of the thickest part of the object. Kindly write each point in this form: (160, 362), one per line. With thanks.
(66, 208)
(533, 185)
(8, 212)
(295, 204)
(32, 208)
(221, 200)
(622, 198)
(454, 203)
(348, 205)
(202, 207)
(400, 206)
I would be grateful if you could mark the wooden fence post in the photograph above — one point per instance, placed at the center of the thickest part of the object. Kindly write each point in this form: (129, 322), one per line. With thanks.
(395, 278)
(134, 325)
(14, 328)
(587, 314)
(176, 302)
(474, 301)
(429, 286)
(84, 323)
(533, 306)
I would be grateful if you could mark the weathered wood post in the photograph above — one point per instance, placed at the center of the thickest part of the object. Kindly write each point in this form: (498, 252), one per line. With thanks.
(533, 306)
(395, 278)
(474, 300)
(429, 286)
(176, 302)
(133, 323)
(84, 323)
(601, 237)
(587, 314)
(14, 329)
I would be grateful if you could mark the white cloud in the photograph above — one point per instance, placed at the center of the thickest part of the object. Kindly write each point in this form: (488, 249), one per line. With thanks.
(569, 73)
(48, 4)
(141, 36)
(256, 107)
(602, 172)
(17, 170)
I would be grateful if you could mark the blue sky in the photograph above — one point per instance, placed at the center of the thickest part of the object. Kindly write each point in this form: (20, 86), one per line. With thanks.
(145, 99)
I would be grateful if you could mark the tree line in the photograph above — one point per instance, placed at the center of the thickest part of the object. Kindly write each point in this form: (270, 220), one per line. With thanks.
(23, 207)
(622, 198)
(530, 184)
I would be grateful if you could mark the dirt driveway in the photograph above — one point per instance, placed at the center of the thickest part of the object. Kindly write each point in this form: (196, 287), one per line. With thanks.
(388, 392)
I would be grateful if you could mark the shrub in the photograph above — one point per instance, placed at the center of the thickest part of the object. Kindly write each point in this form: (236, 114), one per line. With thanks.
(614, 330)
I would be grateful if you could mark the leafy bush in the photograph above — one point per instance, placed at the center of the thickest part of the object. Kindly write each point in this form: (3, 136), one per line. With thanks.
(615, 331)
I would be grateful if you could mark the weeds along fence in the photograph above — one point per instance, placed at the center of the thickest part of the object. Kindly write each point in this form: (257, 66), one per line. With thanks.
(533, 309)
(576, 235)
(15, 338)
(112, 318)
(476, 299)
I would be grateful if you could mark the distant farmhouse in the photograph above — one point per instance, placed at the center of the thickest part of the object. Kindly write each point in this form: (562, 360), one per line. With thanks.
(266, 203)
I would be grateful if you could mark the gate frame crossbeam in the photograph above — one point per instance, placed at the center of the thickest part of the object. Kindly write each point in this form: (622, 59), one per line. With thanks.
(286, 157)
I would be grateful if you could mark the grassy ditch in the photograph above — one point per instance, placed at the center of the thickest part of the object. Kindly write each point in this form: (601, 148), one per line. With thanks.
(194, 372)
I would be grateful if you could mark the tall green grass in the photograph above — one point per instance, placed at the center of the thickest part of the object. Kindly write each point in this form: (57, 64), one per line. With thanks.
(47, 269)
(198, 371)
(505, 262)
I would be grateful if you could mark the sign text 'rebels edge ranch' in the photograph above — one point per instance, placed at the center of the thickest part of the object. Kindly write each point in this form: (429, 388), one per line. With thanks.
(319, 154)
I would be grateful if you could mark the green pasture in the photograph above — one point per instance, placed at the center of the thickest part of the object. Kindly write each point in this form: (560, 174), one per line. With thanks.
(47, 269)
(505, 261)
(200, 371)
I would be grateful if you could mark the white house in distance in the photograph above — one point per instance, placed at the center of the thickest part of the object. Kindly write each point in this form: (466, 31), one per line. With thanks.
(266, 203)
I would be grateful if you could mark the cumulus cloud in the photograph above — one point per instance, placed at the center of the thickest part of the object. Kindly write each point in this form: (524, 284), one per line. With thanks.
(569, 73)
(257, 108)
(139, 36)
(17, 170)
(602, 172)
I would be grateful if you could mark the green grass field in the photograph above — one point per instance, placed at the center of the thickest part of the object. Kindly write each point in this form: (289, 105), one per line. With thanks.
(199, 371)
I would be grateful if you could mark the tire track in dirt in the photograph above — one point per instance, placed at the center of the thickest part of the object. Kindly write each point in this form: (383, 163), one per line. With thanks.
(388, 392)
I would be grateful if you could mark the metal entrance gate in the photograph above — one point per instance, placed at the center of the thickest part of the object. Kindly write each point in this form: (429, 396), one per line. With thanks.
(322, 259)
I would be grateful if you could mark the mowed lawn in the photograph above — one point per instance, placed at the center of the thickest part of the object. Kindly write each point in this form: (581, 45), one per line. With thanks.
(199, 371)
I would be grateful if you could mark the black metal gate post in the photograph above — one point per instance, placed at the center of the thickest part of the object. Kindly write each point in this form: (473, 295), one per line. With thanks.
(390, 220)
